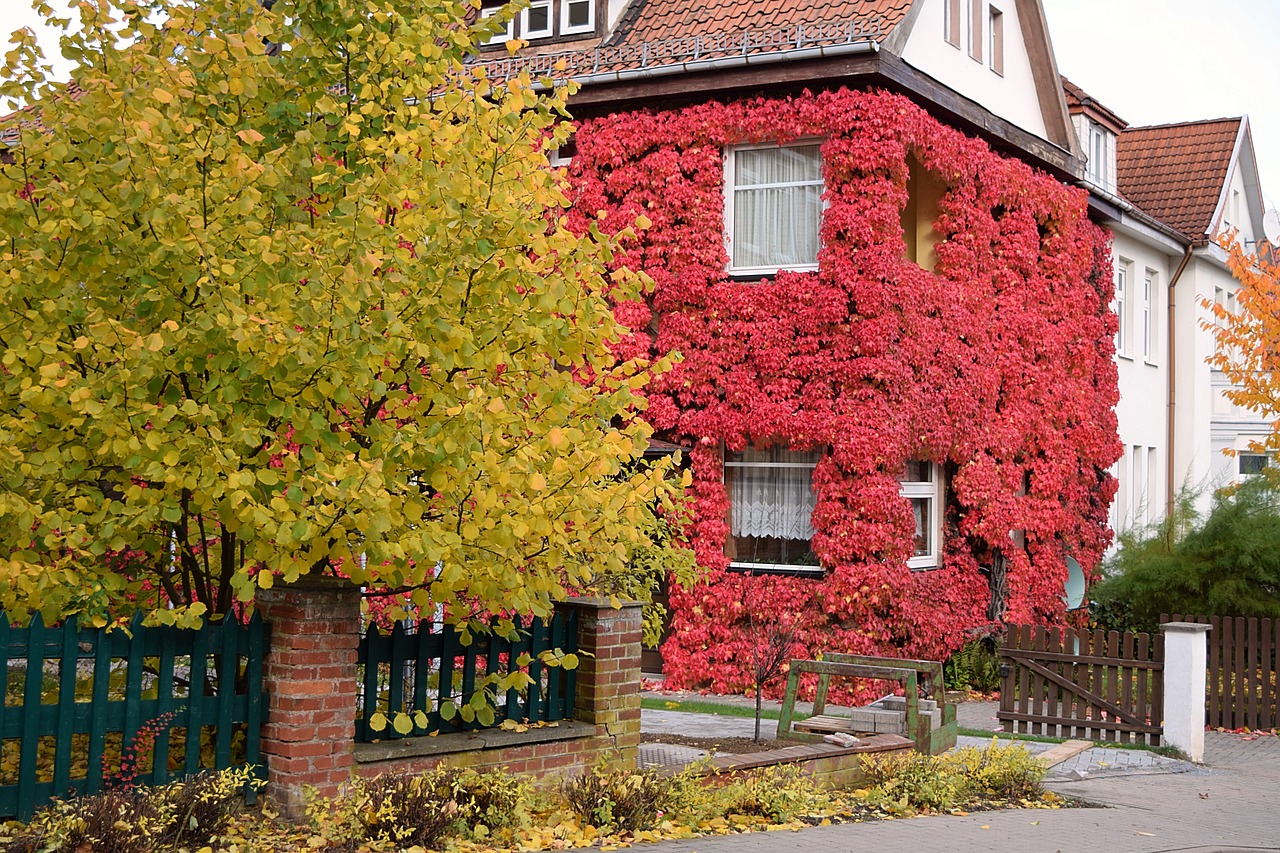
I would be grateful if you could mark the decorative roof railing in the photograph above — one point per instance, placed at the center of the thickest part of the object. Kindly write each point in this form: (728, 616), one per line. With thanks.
(684, 50)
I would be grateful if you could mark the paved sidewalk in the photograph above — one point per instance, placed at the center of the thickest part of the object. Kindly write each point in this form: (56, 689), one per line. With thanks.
(1231, 803)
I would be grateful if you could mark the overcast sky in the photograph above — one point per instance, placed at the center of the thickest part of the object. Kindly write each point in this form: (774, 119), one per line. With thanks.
(1151, 61)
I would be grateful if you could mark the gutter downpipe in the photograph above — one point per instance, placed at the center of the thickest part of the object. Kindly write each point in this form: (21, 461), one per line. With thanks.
(1172, 386)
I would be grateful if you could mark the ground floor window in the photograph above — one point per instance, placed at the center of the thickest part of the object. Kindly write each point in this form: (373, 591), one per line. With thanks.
(921, 484)
(771, 502)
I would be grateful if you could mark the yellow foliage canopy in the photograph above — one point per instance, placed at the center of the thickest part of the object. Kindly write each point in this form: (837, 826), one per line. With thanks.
(289, 291)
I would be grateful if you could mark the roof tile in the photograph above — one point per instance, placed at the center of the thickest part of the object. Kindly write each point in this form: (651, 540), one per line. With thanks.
(659, 20)
(1175, 172)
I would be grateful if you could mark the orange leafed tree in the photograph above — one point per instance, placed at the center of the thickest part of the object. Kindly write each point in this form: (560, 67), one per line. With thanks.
(1248, 351)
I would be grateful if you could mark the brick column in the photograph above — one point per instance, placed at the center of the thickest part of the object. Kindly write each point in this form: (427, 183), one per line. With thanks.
(310, 674)
(608, 680)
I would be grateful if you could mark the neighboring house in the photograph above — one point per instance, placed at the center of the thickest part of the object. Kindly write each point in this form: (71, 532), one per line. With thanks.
(1201, 178)
(1167, 193)
(897, 378)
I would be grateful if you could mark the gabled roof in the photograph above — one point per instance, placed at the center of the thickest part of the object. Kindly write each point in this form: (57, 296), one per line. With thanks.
(658, 20)
(1081, 102)
(1176, 172)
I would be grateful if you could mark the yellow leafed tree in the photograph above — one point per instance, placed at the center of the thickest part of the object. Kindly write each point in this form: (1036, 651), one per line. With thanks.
(1248, 341)
(288, 292)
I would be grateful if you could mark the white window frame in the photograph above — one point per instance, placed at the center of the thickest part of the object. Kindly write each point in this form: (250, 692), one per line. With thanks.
(1250, 455)
(1149, 316)
(730, 188)
(769, 568)
(502, 37)
(1121, 303)
(526, 31)
(952, 23)
(589, 27)
(995, 40)
(930, 491)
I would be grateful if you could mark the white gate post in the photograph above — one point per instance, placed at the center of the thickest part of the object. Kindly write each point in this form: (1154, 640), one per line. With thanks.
(1184, 682)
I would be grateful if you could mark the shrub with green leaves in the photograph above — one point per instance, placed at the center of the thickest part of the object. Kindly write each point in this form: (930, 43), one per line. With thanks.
(187, 814)
(909, 782)
(617, 800)
(1226, 564)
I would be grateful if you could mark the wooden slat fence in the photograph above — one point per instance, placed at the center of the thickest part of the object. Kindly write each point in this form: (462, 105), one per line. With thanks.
(1240, 685)
(422, 665)
(75, 697)
(1095, 685)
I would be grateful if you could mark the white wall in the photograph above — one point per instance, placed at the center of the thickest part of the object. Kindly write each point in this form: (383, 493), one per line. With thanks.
(1142, 412)
(1012, 96)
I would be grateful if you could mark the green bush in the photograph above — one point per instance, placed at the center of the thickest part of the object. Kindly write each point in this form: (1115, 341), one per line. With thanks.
(617, 800)
(1227, 564)
(187, 814)
(907, 782)
(778, 794)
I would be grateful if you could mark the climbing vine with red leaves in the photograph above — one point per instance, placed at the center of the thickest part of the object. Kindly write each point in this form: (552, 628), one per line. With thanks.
(996, 365)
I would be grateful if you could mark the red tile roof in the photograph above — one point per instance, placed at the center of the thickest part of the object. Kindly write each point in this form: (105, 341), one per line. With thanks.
(1080, 101)
(656, 33)
(658, 20)
(1175, 172)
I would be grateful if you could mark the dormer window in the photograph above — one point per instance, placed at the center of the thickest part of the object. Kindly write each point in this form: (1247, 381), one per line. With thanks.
(546, 19)
(1100, 149)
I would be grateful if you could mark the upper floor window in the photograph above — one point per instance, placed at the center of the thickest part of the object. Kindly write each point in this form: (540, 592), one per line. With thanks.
(995, 34)
(921, 484)
(546, 19)
(770, 505)
(773, 208)
(952, 23)
(1149, 295)
(1122, 306)
(975, 29)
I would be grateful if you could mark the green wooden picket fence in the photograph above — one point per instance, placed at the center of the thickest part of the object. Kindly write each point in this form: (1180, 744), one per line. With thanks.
(76, 695)
(421, 666)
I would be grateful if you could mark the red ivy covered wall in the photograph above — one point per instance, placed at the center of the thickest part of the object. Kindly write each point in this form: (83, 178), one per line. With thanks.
(996, 365)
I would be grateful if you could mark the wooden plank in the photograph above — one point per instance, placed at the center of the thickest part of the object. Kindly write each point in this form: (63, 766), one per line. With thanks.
(448, 651)
(1214, 700)
(1067, 657)
(28, 750)
(571, 677)
(1038, 686)
(256, 652)
(1143, 699)
(825, 724)
(469, 678)
(196, 700)
(1053, 645)
(422, 659)
(1007, 682)
(1024, 676)
(1251, 686)
(164, 705)
(555, 700)
(1126, 674)
(1067, 722)
(395, 680)
(1157, 689)
(1271, 654)
(1111, 673)
(370, 652)
(228, 667)
(1237, 673)
(67, 661)
(536, 703)
(515, 708)
(98, 710)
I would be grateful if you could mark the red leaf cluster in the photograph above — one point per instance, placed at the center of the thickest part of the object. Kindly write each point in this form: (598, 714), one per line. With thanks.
(996, 364)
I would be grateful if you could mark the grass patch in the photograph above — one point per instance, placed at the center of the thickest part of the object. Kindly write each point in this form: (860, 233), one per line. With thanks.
(688, 706)
(1166, 750)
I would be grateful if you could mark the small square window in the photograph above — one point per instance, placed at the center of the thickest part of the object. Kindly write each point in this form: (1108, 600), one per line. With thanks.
(536, 20)
(773, 208)
(504, 36)
(577, 16)
(921, 484)
(1252, 464)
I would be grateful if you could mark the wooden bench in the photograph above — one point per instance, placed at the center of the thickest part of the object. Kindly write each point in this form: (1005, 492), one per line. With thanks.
(913, 675)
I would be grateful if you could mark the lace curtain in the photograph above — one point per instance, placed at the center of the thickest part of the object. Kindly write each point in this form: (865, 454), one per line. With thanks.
(771, 493)
(777, 206)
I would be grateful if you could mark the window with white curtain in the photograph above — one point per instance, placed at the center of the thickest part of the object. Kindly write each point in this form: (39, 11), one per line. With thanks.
(770, 504)
(773, 208)
(921, 484)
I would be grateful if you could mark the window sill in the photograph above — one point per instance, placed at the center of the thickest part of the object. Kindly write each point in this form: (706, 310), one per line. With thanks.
(491, 738)
(923, 564)
(1150, 363)
(1124, 356)
(777, 569)
(762, 272)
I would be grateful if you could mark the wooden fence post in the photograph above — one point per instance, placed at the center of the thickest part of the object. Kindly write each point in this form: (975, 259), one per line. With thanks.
(1184, 686)
(310, 674)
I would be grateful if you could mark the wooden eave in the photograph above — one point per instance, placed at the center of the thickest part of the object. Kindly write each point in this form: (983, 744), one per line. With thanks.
(856, 71)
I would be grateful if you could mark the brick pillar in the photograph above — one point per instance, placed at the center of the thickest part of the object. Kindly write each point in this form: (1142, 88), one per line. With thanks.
(310, 674)
(608, 680)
